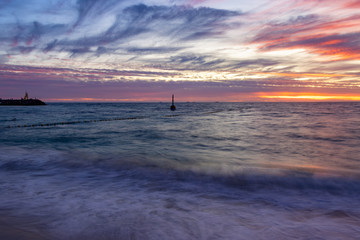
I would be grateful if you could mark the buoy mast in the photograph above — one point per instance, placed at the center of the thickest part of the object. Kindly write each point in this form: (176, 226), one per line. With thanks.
(172, 107)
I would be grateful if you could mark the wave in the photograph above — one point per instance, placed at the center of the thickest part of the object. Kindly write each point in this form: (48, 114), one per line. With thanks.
(177, 175)
(83, 195)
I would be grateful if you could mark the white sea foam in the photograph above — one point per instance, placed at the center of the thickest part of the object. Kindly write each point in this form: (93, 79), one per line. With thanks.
(90, 203)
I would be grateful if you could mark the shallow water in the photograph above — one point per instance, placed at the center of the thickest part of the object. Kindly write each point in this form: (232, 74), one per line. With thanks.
(205, 171)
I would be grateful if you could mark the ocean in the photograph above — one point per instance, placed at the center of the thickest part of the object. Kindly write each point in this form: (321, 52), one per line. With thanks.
(204, 171)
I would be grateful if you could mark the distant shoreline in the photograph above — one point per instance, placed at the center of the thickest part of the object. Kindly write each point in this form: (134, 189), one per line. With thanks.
(21, 102)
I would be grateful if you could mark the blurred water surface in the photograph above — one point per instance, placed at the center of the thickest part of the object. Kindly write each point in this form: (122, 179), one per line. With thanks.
(205, 171)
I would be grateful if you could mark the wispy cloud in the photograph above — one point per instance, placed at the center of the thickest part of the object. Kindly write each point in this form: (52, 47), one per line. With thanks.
(335, 37)
(123, 23)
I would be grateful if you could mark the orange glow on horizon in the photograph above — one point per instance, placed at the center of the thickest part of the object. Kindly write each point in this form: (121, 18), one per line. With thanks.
(309, 96)
(249, 97)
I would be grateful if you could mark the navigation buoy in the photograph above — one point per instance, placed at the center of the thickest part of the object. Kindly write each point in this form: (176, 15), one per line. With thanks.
(172, 107)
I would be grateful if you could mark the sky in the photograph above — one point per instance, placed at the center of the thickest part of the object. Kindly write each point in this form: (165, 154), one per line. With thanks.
(199, 50)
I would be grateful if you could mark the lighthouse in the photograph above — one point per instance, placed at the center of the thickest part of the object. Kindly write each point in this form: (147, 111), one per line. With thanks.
(172, 107)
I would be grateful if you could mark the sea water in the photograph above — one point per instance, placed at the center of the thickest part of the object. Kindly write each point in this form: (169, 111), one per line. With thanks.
(204, 171)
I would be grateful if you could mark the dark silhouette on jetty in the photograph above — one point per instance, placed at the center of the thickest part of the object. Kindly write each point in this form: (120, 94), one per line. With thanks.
(172, 107)
(26, 101)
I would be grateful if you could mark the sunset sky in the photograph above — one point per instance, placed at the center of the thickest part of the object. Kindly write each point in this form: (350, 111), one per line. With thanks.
(200, 50)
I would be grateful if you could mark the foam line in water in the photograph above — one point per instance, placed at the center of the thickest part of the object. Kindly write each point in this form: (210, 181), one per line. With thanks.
(75, 122)
(97, 120)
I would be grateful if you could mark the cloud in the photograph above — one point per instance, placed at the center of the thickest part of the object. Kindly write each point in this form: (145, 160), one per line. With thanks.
(59, 90)
(114, 85)
(18, 72)
(153, 50)
(352, 4)
(335, 39)
(191, 61)
(195, 62)
(50, 46)
(79, 51)
(91, 10)
(261, 62)
(177, 22)
(161, 25)
(274, 33)
(183, 43)
(110, 27)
